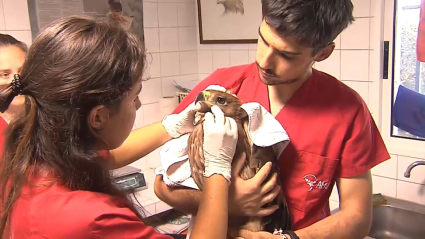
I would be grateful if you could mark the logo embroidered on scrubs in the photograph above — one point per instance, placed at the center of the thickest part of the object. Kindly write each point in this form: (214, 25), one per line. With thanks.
(312, 182)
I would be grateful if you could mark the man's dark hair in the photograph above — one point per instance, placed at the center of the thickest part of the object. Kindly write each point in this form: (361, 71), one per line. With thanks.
(315, 23)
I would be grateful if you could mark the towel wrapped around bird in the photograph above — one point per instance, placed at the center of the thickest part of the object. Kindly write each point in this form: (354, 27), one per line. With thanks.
(260, 136)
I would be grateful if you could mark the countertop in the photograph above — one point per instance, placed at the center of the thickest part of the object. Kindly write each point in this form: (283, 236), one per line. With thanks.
(150, 202)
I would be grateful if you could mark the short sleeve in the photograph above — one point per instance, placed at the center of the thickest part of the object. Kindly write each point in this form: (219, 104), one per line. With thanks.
(3, 127)
(106, 154)
(123, 223)
(363, 147)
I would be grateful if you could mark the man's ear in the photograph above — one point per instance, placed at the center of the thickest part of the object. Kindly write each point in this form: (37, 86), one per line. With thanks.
(98, 117)
(325, 52)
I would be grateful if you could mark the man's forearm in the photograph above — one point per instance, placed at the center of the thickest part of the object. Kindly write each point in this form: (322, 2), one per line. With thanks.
(183, 199)
(343, 224)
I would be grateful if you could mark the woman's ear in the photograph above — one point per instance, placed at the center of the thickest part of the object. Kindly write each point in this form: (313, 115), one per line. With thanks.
(98, 117)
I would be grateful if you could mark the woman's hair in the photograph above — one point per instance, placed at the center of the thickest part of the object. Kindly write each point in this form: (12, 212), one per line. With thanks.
(73, 65)
(8, 40)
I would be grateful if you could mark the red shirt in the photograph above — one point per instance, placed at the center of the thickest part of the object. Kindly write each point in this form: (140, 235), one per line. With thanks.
(57, 212)
(332, 135)
(3, 126)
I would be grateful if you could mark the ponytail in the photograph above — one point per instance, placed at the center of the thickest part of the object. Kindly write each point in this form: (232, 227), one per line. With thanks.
(17, 138)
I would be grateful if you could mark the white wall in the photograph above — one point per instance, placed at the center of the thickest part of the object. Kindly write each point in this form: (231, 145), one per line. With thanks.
(171, 42)
(14, 19)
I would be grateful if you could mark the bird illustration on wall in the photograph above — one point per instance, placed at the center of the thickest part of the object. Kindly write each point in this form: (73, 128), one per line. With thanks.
(116, 12)
(256, 157)
(232, 6)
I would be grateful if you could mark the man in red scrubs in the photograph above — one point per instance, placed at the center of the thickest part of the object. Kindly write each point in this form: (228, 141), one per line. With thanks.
(333, 136)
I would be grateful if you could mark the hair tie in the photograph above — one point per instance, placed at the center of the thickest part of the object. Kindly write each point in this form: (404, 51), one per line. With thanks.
(16, 85)
(16, 90)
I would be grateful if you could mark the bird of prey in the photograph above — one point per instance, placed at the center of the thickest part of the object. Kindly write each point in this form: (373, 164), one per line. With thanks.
(256, 157)
(232, 6)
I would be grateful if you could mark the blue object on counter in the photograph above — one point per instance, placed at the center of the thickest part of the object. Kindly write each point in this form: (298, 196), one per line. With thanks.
(409, 111)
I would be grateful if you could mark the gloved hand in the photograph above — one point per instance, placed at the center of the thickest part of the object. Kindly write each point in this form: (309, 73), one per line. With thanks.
(179, 124)
(220, 138)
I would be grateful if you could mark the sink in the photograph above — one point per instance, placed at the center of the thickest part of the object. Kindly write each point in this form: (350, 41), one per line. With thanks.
(397, 219)
(390, 222)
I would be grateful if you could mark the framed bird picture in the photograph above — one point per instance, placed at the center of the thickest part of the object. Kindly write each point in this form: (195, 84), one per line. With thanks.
(229, 21)
(44, 12)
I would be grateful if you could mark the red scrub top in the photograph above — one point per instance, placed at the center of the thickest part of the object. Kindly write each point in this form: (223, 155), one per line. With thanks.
(332, 135)
(3, 126)
(57, 212)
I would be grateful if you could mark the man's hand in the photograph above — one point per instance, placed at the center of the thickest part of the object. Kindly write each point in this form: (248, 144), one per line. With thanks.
(247, 197)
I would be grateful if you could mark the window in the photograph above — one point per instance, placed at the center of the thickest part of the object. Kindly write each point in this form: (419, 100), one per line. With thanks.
(408, 72)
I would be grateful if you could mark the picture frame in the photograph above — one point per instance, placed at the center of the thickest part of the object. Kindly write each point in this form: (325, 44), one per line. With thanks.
(229, 21)
(43, 12)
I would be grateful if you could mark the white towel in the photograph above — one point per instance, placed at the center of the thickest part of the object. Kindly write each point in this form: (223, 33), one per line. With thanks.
(263, 129)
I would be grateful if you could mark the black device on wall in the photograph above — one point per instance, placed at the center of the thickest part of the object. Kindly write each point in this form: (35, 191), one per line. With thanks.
(386, 59)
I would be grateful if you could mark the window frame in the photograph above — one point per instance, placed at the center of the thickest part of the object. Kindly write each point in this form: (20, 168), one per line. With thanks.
(395, 144)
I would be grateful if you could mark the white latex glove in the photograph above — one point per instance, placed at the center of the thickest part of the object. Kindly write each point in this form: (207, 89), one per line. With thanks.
(220, 138)
(179, 124)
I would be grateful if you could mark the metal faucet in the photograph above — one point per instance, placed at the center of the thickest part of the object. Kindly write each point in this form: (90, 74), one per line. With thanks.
(411, 166)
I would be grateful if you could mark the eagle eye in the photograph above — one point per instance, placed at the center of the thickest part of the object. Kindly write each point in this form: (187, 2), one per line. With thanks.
(221, 100)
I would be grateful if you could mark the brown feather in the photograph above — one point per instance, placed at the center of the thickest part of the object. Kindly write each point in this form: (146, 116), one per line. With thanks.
(256, 157)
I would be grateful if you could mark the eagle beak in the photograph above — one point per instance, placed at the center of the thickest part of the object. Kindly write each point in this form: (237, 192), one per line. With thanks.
(202, 96)
(202, 99)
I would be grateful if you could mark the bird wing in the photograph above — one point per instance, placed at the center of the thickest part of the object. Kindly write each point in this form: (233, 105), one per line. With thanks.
(197, 159)
(196, 154)
(281, 218)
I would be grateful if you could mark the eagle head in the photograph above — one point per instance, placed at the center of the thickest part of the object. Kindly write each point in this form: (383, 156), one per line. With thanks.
(226, 101)
(232, 6)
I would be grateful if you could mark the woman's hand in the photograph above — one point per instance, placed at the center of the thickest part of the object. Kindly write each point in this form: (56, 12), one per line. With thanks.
(179, 124)
(220, 138)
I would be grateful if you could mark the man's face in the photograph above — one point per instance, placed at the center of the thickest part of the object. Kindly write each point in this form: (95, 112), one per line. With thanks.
(283, 60)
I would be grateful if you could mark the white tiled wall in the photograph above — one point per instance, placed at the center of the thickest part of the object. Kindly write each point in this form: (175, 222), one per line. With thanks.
(350, 60)
(170, 38)
(14, 19)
